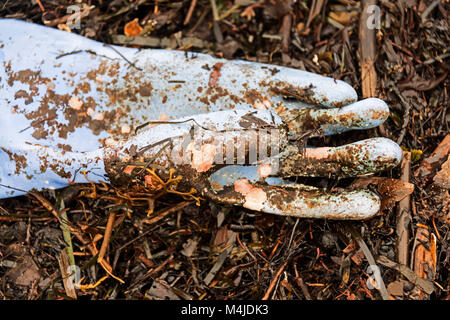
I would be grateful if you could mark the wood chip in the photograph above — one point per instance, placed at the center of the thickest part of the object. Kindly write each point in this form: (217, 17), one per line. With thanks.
(429, 165)
(425, 284)
(390, 190)
(367, 49)
(404, 212)
(442, 178)
(220, 260)
(66, 274)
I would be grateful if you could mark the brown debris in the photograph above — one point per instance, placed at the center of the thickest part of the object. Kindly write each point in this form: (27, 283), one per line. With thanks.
(391, 190)
(367, 50)
(404, 213)
(132, 28)
(430, 164)
(25, 272)
(442, 178)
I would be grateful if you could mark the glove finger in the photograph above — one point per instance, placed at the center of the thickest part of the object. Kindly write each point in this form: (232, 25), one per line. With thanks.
(26, 167)
(217, 83)
(290, 199)
(78, 92)
(358, 158)
(364, 114)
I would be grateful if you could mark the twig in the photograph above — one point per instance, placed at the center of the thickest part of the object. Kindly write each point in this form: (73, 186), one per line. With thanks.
(47, 205)
(4, 211)
(66, 254)
(407, 108)
(425, 284)
(301, 283)
(116, 255)
(107, 236)
(220, 260)
(316, 7)
(370, 259)
(158, 216)
(437, 58)
(123, 57)
(367, 50)
(286, 32)
(274, 281)
(40, 5)
(66, 273)
(228, 12)
(217, 32)
(214, 10)
(293, 232)
(91, 247)
(428, 10)
(190, 11)
(403, 214)
(199, 21)
(245, 248)
(27, 217)
(158, 268)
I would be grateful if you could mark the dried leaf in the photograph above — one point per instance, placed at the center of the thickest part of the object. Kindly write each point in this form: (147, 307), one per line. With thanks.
(395, 288)
(420, 84)
(430, 164)
(132, 28)
(343, 17)
(189, 247)
(424, 257)
(128, 169)
(161, 290)
(425, 284)
(222, 236)
(442, 178)
(390, 190)
(350, 247)
(25, 271)
(358, 257)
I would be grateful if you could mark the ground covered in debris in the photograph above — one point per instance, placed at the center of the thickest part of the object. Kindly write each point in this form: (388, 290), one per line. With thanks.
(185, 251)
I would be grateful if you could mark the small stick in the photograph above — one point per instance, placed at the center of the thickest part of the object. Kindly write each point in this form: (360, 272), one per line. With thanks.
(406, 112)
(301, 283)
(191, 10)
(367, 49)
(91, 247)
(245, 248)
(357, 237)
(214, 10)
(40, 5)
(158, 216)
(428, 10)
(121, 55)
(47, 205)
(64, 266)
(286, 32)
(220, 260)
(107, 236)
(36, 219)
(274, 281)
(403, 214)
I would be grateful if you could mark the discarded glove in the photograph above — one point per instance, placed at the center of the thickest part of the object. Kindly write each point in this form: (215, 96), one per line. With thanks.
(76, 110)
